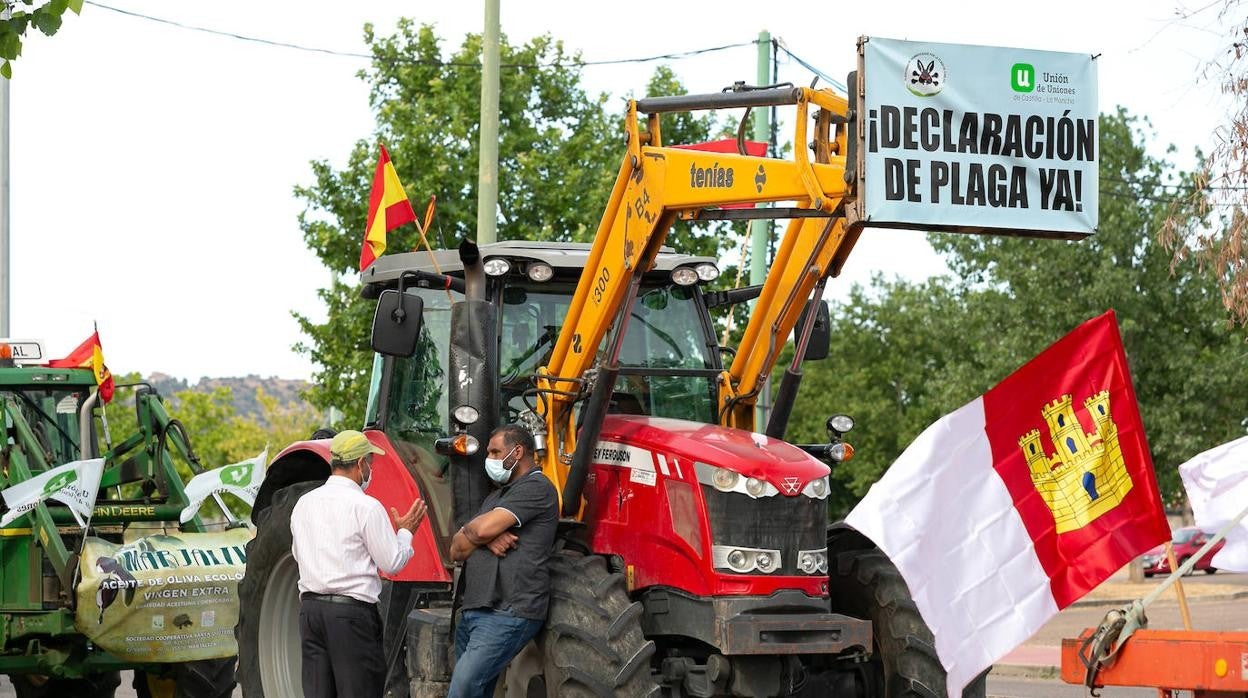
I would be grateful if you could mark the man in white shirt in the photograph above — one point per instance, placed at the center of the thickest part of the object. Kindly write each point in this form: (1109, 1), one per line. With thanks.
(342, 537)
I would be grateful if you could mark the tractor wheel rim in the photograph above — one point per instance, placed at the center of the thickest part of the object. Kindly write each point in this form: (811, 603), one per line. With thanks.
(281, 660)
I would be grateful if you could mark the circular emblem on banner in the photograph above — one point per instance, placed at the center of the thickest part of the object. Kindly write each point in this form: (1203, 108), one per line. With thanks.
(925, 75)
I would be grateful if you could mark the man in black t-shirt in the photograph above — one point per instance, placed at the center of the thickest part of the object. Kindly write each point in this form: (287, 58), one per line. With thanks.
(506, 548)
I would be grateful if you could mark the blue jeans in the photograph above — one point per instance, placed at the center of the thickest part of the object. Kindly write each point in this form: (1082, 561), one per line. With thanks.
(486, 640)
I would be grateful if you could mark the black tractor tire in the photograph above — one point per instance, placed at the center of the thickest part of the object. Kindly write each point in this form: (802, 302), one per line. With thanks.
(269, 562)
(592, 643)
(102, 685)
(865, 584)
(1211, 570)
(207, 678)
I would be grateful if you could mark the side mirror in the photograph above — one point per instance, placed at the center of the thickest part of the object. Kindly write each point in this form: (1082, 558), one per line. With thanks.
(396, 325)
(820, 334)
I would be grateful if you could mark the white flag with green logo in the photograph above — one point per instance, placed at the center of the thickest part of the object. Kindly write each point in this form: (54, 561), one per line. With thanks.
(240, 479)
(73, 484)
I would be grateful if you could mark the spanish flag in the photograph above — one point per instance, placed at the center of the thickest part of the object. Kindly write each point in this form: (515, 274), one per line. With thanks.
(90, 355)
(388, 208)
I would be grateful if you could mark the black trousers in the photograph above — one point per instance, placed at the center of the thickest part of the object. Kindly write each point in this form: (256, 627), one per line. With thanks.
(342, 655)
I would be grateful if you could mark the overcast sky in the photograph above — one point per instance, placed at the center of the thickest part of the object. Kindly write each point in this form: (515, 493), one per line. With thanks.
(153, 166)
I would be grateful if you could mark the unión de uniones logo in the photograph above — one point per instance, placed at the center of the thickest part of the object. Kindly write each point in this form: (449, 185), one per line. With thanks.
(1023, 77)
(60, 482)
(925, 75)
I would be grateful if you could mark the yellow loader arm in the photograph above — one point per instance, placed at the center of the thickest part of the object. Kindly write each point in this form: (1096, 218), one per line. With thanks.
(655, 185)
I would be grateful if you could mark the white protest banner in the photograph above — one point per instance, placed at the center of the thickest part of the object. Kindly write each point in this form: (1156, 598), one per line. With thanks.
(240, 479)
(978, 139)
(73, 484)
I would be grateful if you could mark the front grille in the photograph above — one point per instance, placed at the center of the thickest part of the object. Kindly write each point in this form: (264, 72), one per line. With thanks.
(787, 524)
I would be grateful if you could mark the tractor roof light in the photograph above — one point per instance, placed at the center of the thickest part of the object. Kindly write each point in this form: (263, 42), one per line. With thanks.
(540, 272)
(684, 276)
(707, 271)
(496, 266)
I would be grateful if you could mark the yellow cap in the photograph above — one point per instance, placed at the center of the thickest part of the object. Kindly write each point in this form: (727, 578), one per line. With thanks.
(350, 445)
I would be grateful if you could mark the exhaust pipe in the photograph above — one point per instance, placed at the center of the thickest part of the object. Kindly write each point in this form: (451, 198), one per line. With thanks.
(472, 379)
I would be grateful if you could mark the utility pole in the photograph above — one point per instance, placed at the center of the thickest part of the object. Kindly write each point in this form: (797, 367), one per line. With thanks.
(487, 169)
(760, 230)
(5, 264)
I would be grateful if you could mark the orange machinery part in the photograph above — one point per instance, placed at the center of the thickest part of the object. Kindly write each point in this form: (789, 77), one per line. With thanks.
(1207, 663)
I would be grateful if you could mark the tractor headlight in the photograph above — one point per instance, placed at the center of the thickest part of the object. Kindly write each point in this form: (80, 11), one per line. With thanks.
(496, 266)
(466, 414)
(813, 561)
(745, 560)
(840, 423)
(725, 480)
(755, 487)
(807, 563)
(816, 489)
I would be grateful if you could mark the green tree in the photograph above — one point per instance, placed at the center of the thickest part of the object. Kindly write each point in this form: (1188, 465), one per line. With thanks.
(18, 16)
(559, 152)
(219, 435)
(923, 350)
(556, 161)
(1221, 185)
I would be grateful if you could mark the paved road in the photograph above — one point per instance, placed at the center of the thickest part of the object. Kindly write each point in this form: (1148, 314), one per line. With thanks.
(1006, 687)
(1206, 615)
(126, 691)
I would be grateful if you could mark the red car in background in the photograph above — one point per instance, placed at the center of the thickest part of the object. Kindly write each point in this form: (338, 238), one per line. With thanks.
(1186, 542)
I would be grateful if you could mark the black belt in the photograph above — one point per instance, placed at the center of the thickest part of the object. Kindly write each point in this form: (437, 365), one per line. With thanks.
(335, 598)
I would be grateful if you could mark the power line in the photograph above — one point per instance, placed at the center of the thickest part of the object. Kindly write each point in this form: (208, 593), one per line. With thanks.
(1189, 187)
(805, 64)
(349, 54)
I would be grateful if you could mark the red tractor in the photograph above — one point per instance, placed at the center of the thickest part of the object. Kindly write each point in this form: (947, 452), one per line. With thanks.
(695, 557)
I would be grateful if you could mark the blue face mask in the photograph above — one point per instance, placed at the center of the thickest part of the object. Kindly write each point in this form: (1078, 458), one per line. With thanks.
(497, 470)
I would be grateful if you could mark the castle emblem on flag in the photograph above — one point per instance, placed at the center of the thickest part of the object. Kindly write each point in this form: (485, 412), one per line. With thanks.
(1087, 476)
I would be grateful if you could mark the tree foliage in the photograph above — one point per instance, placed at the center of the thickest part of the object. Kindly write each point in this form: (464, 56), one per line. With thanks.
(905, 354)
(18, 16)
(1220, 188)
(219, 434)
(560, 150)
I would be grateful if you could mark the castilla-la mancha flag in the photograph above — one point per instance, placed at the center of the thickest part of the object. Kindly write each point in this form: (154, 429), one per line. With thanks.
(388, 208)
(1014, 506)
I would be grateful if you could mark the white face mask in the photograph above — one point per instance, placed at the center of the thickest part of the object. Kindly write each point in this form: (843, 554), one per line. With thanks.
(498, 472)
(367, 478)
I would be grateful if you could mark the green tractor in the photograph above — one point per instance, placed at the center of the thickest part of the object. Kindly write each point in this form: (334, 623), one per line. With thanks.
(69, 597)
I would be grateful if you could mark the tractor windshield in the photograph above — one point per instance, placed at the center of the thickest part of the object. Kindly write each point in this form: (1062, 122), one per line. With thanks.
(53, 418)
(667, 368)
